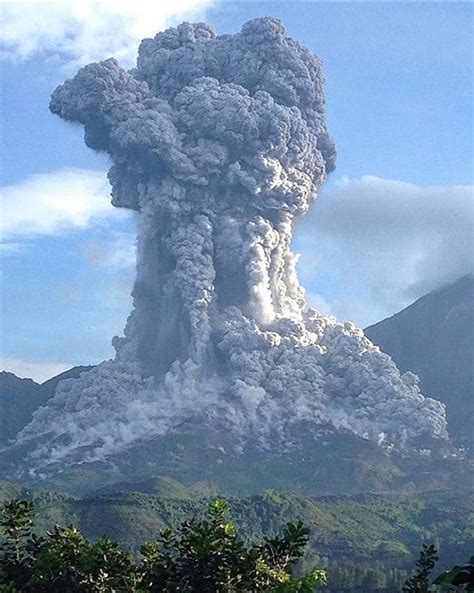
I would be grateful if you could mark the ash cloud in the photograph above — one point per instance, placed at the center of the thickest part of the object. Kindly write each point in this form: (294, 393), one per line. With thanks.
(219, 144)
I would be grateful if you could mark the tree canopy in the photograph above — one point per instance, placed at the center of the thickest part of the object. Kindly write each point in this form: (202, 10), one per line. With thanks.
(204, 554)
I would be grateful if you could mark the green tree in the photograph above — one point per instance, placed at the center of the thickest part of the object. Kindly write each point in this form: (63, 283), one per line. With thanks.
(459, 578)
(202, 555)
(17, 552)
(420, 581)
(208, 556)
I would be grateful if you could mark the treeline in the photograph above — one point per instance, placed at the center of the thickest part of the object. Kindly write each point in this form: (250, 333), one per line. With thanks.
(365, 535)
(353, 578)
(202, 555)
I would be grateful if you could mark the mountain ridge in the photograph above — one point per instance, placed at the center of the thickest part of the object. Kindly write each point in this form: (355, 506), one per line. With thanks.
(21, 396)
(434, 338)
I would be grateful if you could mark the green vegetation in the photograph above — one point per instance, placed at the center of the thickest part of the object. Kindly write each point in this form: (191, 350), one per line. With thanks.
(201, 555)
(459, 576)
(366, 542)
(420, 581)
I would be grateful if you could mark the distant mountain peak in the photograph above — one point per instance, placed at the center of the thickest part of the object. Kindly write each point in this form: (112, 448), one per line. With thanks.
(20, 397)
(434, 338)
(6, 378)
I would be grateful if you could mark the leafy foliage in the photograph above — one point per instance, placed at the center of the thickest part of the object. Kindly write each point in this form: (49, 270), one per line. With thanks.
(366, 542)
(420, 583)
(459, 578)
(204, 555)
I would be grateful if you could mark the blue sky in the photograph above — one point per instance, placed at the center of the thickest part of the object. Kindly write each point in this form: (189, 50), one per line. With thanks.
(393, 222)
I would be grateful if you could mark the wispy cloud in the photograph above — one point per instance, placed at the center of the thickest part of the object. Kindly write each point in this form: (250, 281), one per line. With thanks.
(54, 203)
(80, 31)
(39, 371)
(117, 251)
(385, 242)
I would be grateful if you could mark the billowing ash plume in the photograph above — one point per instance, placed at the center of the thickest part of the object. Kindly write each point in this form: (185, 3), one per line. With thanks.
(219, 143)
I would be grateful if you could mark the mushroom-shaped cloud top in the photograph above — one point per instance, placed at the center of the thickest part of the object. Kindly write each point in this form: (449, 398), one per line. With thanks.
(246, 109)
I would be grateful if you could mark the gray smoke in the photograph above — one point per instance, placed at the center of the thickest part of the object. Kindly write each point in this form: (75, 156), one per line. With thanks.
(219, 143)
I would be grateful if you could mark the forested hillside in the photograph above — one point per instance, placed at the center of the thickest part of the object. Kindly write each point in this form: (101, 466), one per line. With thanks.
(368, 542)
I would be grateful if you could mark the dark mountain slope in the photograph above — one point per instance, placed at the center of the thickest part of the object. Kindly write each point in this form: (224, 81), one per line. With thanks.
(19, 398)
(434, 337)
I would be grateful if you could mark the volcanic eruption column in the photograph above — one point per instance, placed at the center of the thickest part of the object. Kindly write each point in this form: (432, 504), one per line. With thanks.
(220, 143)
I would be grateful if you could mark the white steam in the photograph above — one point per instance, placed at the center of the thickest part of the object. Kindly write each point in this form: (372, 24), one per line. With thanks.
(219, 143)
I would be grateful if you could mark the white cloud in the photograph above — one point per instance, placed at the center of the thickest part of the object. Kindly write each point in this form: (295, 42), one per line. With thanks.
(387, 242)
(52, 203)
(80, 31)
(38, 371)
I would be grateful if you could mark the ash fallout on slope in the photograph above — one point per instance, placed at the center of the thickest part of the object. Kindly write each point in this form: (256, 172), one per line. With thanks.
(219, 143)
